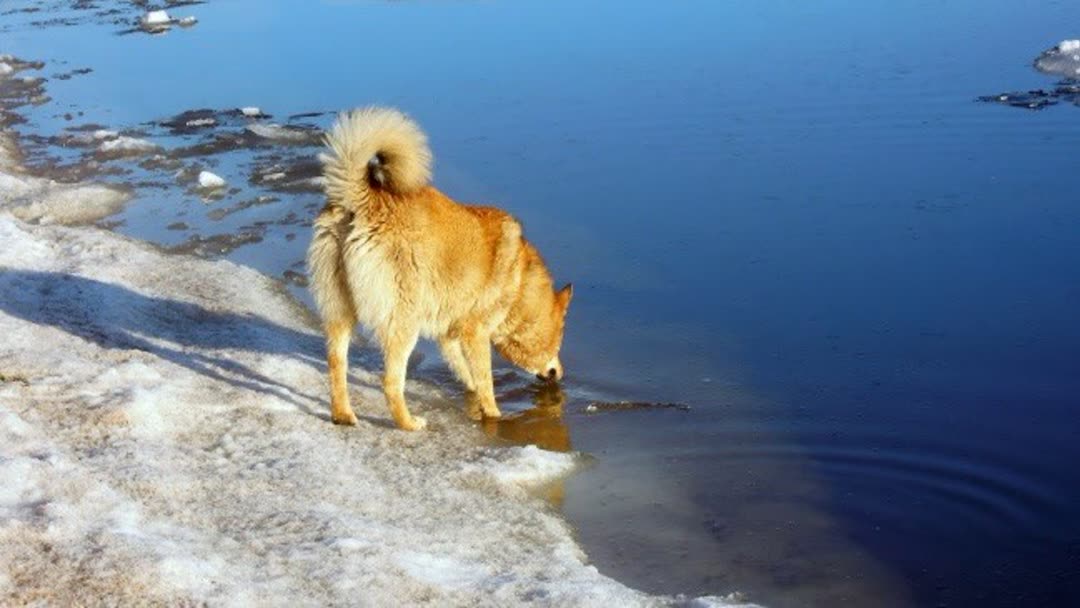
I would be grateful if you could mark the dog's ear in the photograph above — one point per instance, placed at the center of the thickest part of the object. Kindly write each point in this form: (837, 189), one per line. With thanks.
(564, 295)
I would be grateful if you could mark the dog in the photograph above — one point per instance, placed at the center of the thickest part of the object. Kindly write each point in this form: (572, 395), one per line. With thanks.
(395, 254)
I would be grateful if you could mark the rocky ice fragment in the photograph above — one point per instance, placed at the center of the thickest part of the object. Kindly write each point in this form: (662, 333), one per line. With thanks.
(210, 181)
(1061, 60)
(156, 18)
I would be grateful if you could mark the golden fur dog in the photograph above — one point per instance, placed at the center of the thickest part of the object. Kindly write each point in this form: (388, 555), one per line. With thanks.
(395, 254)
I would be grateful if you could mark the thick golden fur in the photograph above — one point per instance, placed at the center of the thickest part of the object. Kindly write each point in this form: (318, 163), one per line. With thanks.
(393, 253)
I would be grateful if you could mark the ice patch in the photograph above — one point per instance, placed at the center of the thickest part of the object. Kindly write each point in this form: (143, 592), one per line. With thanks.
(187, 21)
(45, 201)
(1062, 60)
(251, 111)
(210, 181)
(127, 146)
(285, 134)
(718, 601)
(443, 572)
(5, 69)
(145, 414)
(527, 466)
(156, 18)
(12, 425)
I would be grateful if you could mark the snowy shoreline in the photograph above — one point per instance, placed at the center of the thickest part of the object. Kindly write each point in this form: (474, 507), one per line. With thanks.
(165, 439)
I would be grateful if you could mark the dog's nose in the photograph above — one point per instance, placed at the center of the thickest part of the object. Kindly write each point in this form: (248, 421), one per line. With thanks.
(552, 374)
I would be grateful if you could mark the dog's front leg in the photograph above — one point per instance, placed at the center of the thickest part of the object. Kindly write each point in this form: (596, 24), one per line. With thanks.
(476, 345)
(455, 359)
(398, 344)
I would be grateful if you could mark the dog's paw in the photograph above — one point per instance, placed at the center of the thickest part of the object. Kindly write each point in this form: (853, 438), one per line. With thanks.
(344, 419)
(474, 411)
(418, 423)
(492, 413)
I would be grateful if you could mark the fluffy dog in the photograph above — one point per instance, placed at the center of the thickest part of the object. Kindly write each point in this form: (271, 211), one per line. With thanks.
(403, 259)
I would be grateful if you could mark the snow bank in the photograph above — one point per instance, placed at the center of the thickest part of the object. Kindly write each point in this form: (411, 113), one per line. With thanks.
(1062, 60)
(171, 445)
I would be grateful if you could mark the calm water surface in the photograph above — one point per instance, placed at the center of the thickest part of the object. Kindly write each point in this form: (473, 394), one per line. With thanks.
(791, 216)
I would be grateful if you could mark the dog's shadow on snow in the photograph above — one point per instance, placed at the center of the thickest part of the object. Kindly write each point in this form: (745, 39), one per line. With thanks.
(186, 334)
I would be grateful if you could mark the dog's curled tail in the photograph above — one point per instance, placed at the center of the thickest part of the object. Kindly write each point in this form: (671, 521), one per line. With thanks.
(374, 150)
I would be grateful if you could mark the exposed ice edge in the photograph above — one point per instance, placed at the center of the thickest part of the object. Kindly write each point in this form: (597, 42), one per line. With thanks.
(1061, 60)
(45, 201)
(165, 440)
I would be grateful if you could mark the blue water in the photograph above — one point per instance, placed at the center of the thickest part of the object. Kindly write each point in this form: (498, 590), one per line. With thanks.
(791, 216)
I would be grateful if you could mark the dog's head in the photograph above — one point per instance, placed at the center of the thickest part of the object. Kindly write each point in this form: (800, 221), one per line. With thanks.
(534, 327)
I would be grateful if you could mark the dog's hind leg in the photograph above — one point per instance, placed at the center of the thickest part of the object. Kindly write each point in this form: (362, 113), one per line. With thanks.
(476, 345)
(329, 286)
(398, 343)
(338, 335)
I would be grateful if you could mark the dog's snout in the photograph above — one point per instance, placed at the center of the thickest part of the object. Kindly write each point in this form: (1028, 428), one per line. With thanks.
(550, 375)
(552, 371)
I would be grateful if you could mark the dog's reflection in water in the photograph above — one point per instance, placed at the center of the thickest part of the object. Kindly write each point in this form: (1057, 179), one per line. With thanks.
(542, 425)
